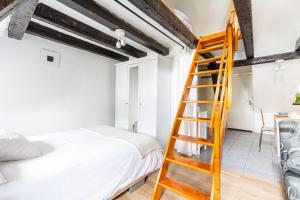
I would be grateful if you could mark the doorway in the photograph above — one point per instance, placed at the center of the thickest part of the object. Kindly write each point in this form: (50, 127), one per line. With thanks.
(241, 115)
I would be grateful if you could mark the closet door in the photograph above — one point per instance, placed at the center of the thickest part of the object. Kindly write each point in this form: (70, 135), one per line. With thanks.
(147, 98)
(122, 96)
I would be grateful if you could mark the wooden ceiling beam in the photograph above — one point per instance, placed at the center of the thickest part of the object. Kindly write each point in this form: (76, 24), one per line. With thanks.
(60, 20)
(50, 34)
(20, 18)
(7, 6)
(100, 14)
(267, 59)
(244, 14)
(162, 14)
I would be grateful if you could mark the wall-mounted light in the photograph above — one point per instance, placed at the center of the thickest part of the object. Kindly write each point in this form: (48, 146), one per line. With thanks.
(279, 65)
(120, 33)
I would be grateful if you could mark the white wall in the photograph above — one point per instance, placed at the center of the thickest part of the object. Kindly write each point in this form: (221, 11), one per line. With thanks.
(37, 99)
(275, 91)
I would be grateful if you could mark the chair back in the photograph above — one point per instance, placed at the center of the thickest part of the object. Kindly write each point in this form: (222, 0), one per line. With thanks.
(262, 117)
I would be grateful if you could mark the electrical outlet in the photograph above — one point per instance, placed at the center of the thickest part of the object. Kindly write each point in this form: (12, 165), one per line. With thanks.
(50, 58)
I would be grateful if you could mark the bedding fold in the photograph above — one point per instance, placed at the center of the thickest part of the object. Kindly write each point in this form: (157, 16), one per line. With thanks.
(141, 143)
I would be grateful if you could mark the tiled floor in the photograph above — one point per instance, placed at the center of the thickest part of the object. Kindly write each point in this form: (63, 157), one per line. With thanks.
(240, 152)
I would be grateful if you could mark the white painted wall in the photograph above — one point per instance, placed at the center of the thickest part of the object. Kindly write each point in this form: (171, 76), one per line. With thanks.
(275, 91)
(37, 99)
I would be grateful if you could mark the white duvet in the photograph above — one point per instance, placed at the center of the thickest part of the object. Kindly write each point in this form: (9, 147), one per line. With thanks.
(76, 165)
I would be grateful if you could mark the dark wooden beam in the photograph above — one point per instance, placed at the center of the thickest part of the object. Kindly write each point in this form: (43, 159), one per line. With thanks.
(20, 18)
(267, 59)
(244, 14)
(160, 13)
(7, 7)
(297, 48)
(58, 19)
(100, 14)
(50, 34)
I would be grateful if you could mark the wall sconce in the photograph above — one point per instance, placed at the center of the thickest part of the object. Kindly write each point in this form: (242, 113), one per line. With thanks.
(279, 65)
(120, 33)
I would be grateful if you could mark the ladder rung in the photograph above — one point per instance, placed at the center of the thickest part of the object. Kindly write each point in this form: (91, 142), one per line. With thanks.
(213, 36)
(199, 102)
(194, 139)
(210, 49)
(190, 163)
(204, 86)
(213, 39)
(184, 190)
(194, 119)
(214, 59)
(205, 72)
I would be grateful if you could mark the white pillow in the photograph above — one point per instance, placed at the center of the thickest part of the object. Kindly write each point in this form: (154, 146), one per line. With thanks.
(14, 146)
(2, 179)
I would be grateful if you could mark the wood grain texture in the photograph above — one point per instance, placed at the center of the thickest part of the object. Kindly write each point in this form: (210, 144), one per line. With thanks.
(244, 14)
(234, 186)
(67, 23)
(103, 16)
(267, 59)
(49, 34)
(160, 13)
(7, 6)
(20, 18)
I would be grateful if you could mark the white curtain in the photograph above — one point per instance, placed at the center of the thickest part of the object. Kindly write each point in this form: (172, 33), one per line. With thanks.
(182, 59)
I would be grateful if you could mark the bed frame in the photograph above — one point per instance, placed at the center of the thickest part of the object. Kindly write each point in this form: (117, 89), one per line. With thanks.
(132, 186)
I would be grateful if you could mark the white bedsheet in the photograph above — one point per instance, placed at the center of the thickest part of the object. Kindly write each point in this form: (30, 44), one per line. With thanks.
(142, 143)
(76, 165)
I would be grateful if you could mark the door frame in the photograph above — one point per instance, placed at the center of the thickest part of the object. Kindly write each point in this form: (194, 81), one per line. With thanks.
(252, 100)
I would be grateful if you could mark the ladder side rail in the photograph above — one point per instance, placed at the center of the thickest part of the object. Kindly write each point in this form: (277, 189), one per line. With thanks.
(176, 125)
(217, 90)
(216, 155)
(236, 31)
(229, 61)
(223, 121)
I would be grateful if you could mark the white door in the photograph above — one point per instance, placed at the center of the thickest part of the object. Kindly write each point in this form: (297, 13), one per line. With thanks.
(147, 98)
(241, 115)
(122, 97)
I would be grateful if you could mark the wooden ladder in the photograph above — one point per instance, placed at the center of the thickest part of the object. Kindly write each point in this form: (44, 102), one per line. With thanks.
(227, 43)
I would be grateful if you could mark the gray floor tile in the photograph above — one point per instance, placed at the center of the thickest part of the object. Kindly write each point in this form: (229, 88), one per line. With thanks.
(261, 164)
(278, 174)
(234, 163)
(240, 152)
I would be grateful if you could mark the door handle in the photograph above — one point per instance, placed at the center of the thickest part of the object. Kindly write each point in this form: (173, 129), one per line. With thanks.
(250, 101)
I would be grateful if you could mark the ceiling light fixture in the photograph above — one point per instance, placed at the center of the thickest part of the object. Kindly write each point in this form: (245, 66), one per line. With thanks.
(279, 65)
(120, 33)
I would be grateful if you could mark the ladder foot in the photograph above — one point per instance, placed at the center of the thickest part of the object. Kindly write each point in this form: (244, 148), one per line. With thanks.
(157, 192)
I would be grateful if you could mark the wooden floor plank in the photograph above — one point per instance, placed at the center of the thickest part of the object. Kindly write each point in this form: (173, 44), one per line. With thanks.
(235, 186)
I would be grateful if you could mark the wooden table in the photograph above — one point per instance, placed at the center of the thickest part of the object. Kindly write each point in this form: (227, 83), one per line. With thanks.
(277, 119)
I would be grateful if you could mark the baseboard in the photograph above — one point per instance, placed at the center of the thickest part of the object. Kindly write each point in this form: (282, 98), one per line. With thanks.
(235, 129)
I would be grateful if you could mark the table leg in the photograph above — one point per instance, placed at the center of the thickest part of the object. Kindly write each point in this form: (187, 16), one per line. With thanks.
(277, 138)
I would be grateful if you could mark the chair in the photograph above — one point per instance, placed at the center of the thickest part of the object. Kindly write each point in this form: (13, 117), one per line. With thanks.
(264, 128)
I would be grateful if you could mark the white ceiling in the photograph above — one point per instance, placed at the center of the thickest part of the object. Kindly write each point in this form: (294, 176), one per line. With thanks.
(207, 16)
(276, 23)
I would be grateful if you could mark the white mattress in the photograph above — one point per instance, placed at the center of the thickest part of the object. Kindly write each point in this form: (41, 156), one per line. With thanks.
(76, 165)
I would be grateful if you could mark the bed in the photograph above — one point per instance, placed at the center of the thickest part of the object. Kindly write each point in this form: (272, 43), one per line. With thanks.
(79, 164)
